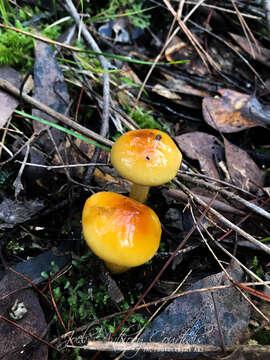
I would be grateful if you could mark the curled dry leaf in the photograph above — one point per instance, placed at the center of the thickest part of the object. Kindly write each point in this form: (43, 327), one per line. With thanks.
(243, 170)
(230, 112)
(202, 147)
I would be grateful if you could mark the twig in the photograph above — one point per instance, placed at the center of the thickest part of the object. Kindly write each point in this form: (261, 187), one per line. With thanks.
(197, 174)
(223, 9)
(224, 220)
(248, 271)
(170, 347)
(18, 181)
(218, 205)
(106, 79)
(60, 117)
(148, 347)
(67, 166)
(252, 207)
(221, 335)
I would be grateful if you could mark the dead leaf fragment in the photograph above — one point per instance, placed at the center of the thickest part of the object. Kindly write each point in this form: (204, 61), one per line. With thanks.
(8, 102)
(182, 86)
(202, 147)
(14, 341)
(180, 50)
(230, 112)
(242, 168)
(261, 53)
(166, 92)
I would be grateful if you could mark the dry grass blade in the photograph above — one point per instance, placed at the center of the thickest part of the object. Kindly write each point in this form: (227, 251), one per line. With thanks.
(246, 30)
(200, 50)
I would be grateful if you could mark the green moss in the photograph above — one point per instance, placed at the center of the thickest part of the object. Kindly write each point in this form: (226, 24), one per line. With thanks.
(81, 297)
(17, 49)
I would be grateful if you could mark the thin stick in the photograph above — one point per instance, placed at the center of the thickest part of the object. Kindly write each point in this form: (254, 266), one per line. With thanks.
(5, 85)
(252, 207)
(106, 79)
(170, 347)
(224, 220)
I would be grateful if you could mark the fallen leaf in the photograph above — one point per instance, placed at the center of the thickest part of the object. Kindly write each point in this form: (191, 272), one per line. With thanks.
(108, 179)
(33, 267)
(166, 92)
(202, 147)
(182, 86)
(242, 168)
(261, 53)
(192, 319)
(230, 112)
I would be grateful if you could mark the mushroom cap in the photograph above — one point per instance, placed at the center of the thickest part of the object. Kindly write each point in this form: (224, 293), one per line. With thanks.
(146, 157)
(120, 230)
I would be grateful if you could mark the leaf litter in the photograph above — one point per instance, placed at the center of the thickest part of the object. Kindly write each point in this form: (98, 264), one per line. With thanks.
(195, 106)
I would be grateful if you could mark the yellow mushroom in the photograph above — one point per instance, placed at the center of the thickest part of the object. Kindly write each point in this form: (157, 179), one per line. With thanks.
(147, 157)
(119, 230)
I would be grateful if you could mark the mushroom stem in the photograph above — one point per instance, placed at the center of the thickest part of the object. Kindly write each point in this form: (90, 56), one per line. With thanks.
(114, 268)
(139, 192)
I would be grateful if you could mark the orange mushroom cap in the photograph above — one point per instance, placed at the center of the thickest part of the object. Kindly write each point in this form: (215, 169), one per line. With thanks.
(146, 157)
(120, 230)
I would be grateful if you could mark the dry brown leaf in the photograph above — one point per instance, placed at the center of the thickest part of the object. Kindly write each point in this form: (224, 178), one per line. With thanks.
(166, 92)
(261, 53)
(202, 147)
(242, 168)
(179, 91)
(230, 112)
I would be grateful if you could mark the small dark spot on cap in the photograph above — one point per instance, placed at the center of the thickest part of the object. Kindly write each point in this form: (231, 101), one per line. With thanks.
(158, 137)
(147, 158)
